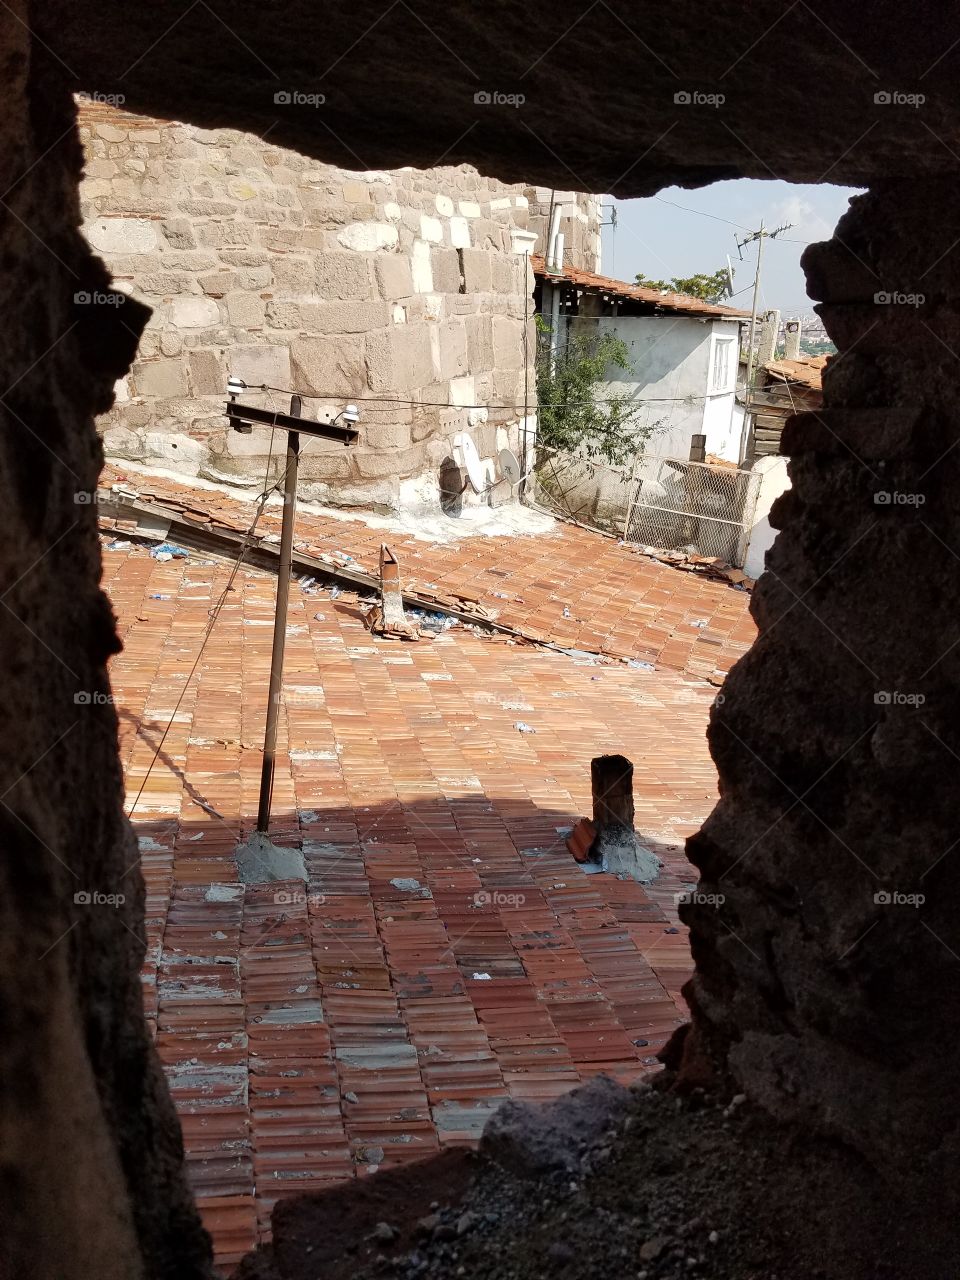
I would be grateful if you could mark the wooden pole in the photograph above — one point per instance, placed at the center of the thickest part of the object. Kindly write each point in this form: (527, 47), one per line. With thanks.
(280, 621)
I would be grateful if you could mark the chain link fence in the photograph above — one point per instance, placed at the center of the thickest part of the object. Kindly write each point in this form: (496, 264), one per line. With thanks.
(661, 502)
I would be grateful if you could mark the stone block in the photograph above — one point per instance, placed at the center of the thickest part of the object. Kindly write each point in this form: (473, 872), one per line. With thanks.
(122, 235)
(393, 462)
(394, 277)
(295, 275)
(345, 317)
(267, 363)
(342, 275)
(479, 338)
(245, 310)
(462, 391)
(367, 237)
(226, 235)
(218, 283)
(399, 359)
(460, 233)
(508, 274)
(421, 267)
(385, 435)
(446, 271)
(206, 376)
(159, 379)
(179, 233)
(431, 229)
(284, 315)
(254, 278)
(507, 343)
(476, 271)
(327, 366)
(193, 313)
(453, 350)
(110, 133)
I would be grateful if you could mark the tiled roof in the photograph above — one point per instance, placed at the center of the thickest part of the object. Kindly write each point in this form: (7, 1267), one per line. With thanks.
(807, 371)
(674, 303)
(447, 952)
(575, 588)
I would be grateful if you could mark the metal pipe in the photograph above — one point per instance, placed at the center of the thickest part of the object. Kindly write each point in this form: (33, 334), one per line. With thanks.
(280, 621)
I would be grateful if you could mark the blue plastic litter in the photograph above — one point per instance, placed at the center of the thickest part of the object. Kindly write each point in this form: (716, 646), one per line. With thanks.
(430, 621)
(170, 549)
(640, 666)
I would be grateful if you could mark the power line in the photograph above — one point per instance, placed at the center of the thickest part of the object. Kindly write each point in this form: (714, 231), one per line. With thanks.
(446, 404)
(700, 213)
(716, 218)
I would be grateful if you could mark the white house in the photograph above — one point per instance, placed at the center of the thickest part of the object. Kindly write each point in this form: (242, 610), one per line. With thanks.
(683, 353)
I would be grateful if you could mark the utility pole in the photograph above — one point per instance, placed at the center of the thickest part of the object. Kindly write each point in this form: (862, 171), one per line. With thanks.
(759, 235)
(280, 620)
(244, 418)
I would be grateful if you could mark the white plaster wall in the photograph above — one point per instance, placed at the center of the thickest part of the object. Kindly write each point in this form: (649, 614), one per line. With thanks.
(774, 481)
(671, 359)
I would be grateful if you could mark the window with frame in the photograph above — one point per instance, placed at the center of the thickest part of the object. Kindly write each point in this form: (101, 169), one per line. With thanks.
(722, 364)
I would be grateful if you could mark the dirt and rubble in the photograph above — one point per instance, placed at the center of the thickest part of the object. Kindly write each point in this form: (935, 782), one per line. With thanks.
(663, 1187)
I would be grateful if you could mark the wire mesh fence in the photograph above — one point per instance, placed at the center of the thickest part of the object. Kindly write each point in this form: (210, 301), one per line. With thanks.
(661, 502)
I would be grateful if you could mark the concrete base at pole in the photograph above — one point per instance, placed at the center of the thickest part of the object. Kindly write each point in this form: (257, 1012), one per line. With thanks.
(260, 861)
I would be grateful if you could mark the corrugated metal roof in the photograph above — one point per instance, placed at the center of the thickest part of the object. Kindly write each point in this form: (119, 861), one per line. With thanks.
(675, 303)
(806, 371)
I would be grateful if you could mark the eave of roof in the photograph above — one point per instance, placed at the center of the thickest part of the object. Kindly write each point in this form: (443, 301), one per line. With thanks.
(674, 303)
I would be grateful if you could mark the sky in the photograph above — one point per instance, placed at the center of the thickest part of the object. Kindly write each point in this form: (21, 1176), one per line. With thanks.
(663, 241)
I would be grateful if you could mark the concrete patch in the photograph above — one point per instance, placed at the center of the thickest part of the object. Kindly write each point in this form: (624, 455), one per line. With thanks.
(259, 861)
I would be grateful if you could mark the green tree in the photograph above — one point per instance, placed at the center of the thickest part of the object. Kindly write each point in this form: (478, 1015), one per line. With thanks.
(709, 288)
(661, 286)
(571, 418)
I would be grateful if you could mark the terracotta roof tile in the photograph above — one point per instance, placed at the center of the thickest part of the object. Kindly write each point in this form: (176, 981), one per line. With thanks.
(447, 951)
(674, 303)
(645, 606)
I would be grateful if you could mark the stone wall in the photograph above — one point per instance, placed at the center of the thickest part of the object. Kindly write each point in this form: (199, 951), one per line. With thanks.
(407, 292)
(580, 216)
(92, 1173)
